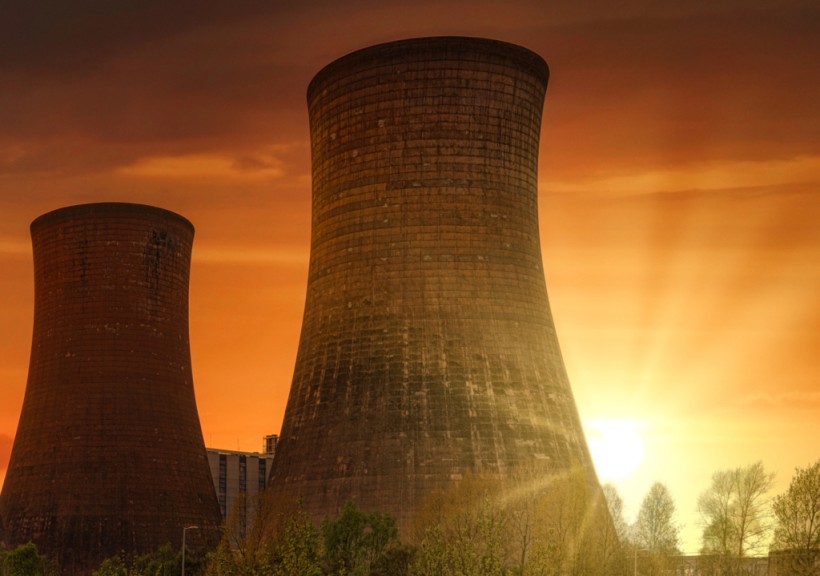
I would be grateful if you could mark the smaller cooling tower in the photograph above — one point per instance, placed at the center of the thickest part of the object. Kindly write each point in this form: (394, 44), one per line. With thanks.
(109, 455)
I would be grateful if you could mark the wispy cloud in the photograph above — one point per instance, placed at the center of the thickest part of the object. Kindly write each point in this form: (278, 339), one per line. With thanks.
(795, 398)
(196, 166)
(712, 176)
(14, 247)
(252, 256)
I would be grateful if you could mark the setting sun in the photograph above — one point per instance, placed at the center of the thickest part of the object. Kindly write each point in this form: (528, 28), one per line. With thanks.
(616, 446)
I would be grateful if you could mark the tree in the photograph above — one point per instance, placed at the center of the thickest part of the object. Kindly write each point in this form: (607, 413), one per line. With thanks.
(461, 532)
(297, 551)
(112, 567)
(656, 531)
(527, 519)
(561, 523)
(715, 507)
(281, 540)
(246, 546)
(357, 541)
(655, 527)
(735, 513)
(622, 549)
(752, 512)
(25, 560)
(797, 515)
(533, 522)
(243, 549)
(395, 561)
(164, 561)
(615, 505)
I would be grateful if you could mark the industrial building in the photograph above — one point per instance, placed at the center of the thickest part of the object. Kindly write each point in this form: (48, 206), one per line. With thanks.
(238, 473)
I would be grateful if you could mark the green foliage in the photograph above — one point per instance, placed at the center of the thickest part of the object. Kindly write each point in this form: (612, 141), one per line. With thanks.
(25, 560)
(469, 542)
(797, 513)
(246, 549)
(357, 541)
(463, 531)
(286, 543)
(716, 509)
(164, 561)
(615, 505)
(281, 542)
(112, 567)
(395, 560)
(533, 523)
(298, 550)
(655, 528)
(735, 512)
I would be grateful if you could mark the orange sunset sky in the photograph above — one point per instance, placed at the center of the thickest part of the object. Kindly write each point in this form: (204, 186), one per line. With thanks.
(679, 201)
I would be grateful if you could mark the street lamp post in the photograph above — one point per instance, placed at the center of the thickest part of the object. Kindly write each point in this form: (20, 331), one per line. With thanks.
(185, 529)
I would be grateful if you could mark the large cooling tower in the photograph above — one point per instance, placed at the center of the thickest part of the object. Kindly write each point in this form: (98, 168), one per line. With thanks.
(109, 456)
(428, 348)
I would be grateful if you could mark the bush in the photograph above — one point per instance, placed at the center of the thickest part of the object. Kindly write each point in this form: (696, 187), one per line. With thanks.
(25, 560)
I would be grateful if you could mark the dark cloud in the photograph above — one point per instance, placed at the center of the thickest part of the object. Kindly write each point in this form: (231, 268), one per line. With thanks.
(67, 37)
(667, 91)
(204, 85)
(99, 84)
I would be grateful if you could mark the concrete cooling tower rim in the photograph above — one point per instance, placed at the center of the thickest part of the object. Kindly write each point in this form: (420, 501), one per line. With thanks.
(415, 48)
(109, 210)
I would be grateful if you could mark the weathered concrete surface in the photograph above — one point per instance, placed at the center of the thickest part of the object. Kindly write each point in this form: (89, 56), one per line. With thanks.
(428, 348)
(109, 454)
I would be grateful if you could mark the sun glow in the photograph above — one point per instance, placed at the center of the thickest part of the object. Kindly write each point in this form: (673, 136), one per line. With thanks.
(616, 446)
